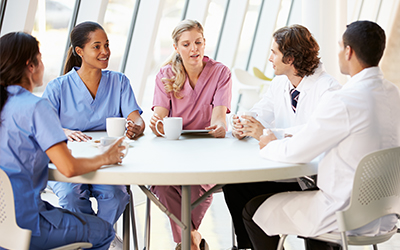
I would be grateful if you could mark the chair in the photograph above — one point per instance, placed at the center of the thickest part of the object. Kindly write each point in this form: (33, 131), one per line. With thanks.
(260, 74)
(12, 236)
(250, 88)
(376, 193)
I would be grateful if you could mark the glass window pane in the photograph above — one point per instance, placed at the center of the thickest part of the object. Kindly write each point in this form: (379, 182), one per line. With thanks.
(117, 21)
(212, 27)
(385, 16)
(171, 16)
(163, 48)
(295, 15)
(51, 29)
(283, 13)
(246, 37)
(280, 22)
(368, 11)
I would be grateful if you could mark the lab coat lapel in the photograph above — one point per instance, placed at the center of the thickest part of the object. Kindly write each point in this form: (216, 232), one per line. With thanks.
(288, 102)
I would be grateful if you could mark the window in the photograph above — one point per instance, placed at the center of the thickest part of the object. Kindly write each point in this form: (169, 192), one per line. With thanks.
(117, 22)
(51, 29)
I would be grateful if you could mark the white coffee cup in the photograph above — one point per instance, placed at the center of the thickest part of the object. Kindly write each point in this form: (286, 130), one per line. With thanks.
(278, 132)
(241, 113)
(247, 113)
(116, 126)
(107, 142)
(172, 127)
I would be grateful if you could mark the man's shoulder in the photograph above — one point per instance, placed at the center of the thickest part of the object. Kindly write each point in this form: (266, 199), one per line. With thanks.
(323, 80)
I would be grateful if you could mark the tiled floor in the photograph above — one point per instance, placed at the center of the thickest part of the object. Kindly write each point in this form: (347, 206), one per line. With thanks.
(215, 228)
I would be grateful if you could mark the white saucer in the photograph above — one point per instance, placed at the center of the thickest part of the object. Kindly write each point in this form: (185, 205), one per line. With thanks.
(195, 131)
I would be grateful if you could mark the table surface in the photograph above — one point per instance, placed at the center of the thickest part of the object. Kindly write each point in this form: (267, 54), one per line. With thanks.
(193, 159)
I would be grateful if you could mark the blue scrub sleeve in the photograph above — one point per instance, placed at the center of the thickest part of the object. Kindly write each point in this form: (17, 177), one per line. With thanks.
(52, 93)
(128, 100)
(46, 126)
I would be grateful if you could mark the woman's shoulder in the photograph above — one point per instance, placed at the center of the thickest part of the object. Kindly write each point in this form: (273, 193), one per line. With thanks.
(25, 99)
(216, 65)
(64, 79)
(114, 77)
(166, 71)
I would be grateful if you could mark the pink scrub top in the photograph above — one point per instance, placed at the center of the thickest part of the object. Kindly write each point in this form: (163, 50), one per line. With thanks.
(213, 88)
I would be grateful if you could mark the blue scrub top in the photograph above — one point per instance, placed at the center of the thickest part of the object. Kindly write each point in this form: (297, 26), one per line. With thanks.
(78, 110)
(29, 126)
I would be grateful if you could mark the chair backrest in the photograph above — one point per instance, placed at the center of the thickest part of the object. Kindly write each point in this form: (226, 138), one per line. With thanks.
(12, 236)
(376, 190)
(246, 78)
(260, 74)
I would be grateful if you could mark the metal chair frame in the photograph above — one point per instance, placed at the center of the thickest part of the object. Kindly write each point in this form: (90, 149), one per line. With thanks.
(376, 193)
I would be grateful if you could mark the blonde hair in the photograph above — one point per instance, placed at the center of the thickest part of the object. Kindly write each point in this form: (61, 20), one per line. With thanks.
(175, 83)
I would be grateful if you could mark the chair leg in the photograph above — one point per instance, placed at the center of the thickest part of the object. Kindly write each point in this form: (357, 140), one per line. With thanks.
(147, 226)
(375, 247)
(344, 240)
(234, 243)
(281, 241)
(133, 223)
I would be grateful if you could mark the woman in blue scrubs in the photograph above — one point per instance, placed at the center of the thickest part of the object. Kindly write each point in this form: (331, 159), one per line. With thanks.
(84, 97)
(30, 134)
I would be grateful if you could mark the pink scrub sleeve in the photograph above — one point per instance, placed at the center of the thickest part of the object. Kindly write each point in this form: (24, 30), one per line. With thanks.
(223, 94)
(161, 98)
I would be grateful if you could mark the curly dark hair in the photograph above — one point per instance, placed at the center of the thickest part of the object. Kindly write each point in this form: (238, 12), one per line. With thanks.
(296, 42)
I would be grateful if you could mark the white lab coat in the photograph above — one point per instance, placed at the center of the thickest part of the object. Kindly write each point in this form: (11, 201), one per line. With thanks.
(275, 108)
(348, 124)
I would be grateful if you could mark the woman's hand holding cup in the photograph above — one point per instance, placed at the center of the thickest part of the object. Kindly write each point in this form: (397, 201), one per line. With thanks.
(112, 149)
(133, 129)
(153, 122)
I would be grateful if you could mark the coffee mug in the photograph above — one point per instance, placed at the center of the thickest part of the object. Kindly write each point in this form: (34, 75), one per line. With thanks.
(247, 113)
(106, 142)
(116, 126)
(172, 127)
(278, 132)
(241, 113)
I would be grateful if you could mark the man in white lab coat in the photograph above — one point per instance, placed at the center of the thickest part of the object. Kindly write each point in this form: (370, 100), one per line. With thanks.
(294, 55)
(361, 118)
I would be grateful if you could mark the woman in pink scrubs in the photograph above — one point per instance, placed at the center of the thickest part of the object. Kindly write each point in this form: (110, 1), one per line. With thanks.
(198, 89)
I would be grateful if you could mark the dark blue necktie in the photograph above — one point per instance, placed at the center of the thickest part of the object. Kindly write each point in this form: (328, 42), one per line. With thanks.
(295, 98)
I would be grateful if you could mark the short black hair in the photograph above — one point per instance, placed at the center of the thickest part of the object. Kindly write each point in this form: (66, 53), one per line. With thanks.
(368, 41)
